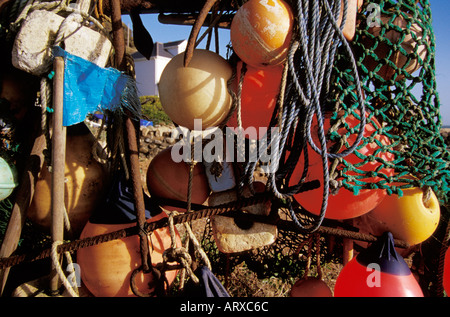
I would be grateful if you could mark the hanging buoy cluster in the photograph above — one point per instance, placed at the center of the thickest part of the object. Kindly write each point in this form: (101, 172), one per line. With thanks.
(261, 35)
(345, 149)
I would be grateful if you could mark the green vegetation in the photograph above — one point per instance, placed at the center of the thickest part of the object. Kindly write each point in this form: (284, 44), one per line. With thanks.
(153, 111)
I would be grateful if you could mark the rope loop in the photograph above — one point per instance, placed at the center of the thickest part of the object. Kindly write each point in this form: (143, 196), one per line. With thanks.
(70, 286)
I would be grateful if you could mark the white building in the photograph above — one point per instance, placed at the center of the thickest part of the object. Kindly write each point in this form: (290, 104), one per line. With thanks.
(148, 71)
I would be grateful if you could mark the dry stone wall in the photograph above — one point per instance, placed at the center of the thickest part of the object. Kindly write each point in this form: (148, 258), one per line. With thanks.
(155, 138)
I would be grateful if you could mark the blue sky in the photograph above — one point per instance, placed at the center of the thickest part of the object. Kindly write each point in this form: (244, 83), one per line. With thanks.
(441, 18)
(441, 25)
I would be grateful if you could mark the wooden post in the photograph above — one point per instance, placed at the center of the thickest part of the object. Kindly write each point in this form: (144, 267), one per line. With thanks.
(58, 162)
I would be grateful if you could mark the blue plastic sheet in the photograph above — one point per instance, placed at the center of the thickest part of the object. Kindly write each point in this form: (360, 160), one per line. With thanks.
(88, 88)
(119, 205)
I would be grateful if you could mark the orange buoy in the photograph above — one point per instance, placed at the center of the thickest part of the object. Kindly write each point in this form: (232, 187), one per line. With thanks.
(310, 287)
(169, 179)
(259, 93)
(261, 32)
(85, 181)
(106, 268)
(344, 204)
(409, 218)
(197, 91)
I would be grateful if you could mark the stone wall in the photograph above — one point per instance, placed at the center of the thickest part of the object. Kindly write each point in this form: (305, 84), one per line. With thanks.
(154, 139)
(158, 137)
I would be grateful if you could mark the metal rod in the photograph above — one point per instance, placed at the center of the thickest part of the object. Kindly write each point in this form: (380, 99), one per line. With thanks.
(118, 42)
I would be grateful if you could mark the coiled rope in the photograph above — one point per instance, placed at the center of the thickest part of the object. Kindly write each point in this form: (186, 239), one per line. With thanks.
(310, 61)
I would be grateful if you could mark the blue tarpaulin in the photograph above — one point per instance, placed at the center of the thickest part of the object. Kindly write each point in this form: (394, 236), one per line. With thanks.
(88, 88)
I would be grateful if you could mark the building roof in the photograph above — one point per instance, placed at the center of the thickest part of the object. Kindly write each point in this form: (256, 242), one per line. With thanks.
(161, 49)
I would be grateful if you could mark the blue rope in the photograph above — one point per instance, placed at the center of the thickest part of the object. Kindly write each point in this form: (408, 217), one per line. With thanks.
(309, 66)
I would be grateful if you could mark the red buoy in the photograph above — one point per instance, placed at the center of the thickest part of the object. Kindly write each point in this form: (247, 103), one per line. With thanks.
(378, 271)
(310, 287)
(446, 281)
(345, 204)
(260, 89)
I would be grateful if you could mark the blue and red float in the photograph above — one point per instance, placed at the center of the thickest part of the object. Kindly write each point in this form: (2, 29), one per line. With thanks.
(378, 271)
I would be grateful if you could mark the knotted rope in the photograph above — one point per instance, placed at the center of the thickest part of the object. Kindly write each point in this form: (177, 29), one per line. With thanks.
(71, 286)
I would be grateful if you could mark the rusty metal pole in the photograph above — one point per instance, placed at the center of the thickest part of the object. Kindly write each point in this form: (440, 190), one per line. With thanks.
(119, 46)
(58, 163)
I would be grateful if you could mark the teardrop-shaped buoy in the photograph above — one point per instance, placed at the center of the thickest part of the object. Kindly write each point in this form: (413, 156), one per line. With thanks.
(378, 271)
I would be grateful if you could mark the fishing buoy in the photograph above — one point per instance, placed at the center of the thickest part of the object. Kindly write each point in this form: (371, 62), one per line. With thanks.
(197, 91)
(411, 41)
(168, 179)
(260, 89)
(345, 204)
(85, 180)
(378, 271)
(8, 178)
(261, 32)
(233, 235)
(446, 277)
(411, 217)
(106, 268)
(310, 287)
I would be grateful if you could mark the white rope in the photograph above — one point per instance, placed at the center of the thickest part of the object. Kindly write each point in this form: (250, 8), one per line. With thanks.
(197, 245)
(57, 6)
(71, 286)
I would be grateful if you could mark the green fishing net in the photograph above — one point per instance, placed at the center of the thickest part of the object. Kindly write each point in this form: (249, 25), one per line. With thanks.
(394, 48)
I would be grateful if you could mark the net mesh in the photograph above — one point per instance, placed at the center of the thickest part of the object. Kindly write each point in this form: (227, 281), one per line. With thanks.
(394, 48)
